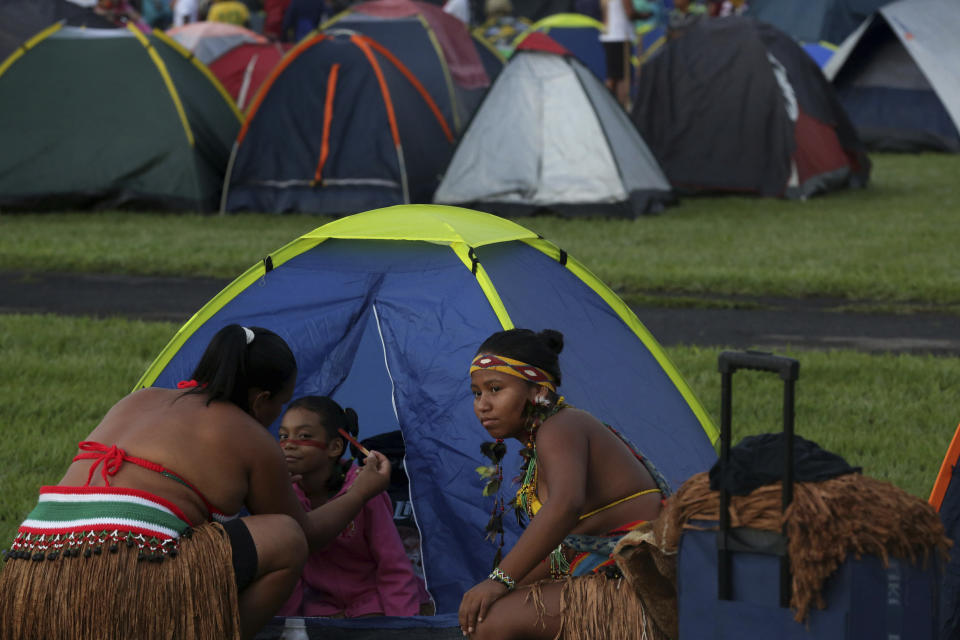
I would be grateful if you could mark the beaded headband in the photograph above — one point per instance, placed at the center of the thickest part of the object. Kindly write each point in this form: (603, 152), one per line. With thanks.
(514, 368)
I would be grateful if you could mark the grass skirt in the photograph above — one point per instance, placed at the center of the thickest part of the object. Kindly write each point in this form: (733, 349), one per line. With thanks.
(119, 594)
(595, 607)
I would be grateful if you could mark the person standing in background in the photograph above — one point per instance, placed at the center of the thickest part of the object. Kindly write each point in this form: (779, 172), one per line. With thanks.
(617, 38)
(274, 11)
(302, 17)
(185, 11)
(230, 12)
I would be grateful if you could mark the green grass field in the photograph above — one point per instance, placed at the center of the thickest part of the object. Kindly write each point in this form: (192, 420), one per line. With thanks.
(892, 415)
(891, 246)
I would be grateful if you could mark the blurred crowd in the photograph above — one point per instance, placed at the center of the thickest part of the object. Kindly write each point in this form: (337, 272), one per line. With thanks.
(497, 21)
(279, 20)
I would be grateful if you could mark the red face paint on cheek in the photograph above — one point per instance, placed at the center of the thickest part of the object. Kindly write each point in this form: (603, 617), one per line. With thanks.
(305, 443)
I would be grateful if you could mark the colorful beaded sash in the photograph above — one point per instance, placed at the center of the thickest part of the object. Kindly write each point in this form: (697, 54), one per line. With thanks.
(74, 521)
(595, 553)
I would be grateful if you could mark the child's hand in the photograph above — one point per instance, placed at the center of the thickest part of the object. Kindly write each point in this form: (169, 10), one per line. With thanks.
(374, 476)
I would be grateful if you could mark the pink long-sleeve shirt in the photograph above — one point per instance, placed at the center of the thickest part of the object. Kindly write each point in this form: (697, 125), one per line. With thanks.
(363, 571)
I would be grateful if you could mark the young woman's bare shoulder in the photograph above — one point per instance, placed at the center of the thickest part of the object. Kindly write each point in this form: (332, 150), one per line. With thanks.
(566, 426)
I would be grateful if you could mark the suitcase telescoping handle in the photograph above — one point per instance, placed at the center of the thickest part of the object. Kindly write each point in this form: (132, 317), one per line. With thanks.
(789, 370)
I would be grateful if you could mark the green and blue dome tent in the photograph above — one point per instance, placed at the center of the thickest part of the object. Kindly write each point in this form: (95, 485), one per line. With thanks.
(111, 118)
(384, 310)
(341, 125)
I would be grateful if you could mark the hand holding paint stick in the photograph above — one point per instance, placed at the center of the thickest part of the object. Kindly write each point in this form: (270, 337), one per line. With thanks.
(354, 442)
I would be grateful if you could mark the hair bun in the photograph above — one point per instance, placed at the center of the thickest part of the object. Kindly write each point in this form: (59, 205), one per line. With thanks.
(553, 339)
(353, 421)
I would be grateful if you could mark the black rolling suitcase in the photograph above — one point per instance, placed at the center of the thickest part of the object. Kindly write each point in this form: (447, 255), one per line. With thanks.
(735, 582)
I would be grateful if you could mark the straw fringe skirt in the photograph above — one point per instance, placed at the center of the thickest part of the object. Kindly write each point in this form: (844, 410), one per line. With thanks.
(113, 595)
(595, 607)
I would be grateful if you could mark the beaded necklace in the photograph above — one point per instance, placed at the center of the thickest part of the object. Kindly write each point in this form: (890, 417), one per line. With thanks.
(535, 414)
(527, 493)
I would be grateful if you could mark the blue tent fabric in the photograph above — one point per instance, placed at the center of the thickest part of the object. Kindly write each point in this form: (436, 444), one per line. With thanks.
(820, 53)
(439, 627)
(894, 119)
(275, 162)
(390, 326)
(584, 43)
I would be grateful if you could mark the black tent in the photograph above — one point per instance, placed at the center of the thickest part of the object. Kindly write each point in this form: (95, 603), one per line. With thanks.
(22, 19)
(735, 105)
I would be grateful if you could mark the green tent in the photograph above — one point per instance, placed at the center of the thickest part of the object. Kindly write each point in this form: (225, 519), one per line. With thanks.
(103, 118)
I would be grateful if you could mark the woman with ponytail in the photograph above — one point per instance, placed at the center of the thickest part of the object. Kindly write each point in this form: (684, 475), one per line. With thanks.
(582, 487)
(137, 541)
(364, 571)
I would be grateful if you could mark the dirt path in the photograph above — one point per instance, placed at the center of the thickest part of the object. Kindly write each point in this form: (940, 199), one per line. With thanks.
(796, 323)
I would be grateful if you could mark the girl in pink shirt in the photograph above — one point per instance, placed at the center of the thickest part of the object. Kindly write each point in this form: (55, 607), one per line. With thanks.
(364, 571)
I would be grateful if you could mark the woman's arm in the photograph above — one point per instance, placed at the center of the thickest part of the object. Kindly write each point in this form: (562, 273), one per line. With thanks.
(270, 491)
(562, 455)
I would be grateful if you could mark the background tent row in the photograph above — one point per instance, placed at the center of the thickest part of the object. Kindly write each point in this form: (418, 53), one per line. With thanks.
(384, 311)
(344, 123)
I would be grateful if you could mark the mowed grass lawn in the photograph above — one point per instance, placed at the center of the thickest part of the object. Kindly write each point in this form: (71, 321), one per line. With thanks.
(893, 245)
(892, 415)
(894, 242)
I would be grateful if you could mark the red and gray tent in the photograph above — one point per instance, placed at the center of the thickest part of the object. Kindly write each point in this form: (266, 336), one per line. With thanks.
(735, 105)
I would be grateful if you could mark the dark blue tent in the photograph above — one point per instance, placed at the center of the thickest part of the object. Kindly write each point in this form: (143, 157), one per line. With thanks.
(451, 62)
(384, 311)
(340, 126)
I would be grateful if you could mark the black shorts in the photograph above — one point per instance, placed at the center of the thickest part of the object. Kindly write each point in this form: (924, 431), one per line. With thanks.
(244, 552)
(616, 54)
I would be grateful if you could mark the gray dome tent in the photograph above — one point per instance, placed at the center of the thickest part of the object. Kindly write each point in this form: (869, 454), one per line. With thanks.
(898, 76)
(549, 137)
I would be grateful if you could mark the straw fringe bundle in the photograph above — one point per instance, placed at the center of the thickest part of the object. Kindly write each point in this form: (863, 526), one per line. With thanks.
(849, 514)
(113, 595)
(651, 571)
(595, 607)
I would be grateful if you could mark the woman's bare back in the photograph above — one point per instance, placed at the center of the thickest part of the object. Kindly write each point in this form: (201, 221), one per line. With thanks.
(613, 472)
(213, 447)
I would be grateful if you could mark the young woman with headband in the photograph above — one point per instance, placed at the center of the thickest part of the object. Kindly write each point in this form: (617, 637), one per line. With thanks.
(583, 487)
